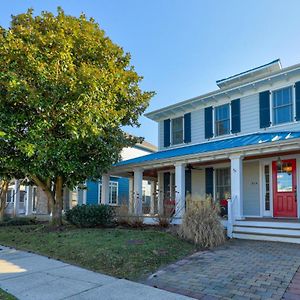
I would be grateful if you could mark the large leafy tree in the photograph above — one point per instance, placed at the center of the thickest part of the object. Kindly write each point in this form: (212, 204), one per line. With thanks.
(66, 91)
(10, 160)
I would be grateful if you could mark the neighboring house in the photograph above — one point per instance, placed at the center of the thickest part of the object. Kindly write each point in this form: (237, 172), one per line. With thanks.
(31, 200)
(239, 142)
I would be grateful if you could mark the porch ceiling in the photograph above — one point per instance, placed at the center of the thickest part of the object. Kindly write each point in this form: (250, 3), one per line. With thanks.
(251, 145)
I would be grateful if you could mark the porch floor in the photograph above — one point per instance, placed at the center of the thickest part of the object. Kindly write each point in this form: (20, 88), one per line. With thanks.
(270, 219)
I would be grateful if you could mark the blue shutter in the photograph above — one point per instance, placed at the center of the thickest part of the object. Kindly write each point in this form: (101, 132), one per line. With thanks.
(166, 193)
(264, 109)
(297, 89)
(208, 119)
(188, 182)
(187, 128)
(209, 181)
(167, 132)
(235, 116)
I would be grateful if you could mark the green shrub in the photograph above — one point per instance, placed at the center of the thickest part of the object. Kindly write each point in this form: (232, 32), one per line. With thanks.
(18, 221)
(91, 215)
(201, 223)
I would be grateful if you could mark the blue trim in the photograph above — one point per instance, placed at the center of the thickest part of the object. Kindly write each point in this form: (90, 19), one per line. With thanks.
(92, 192)
(264, 109)
(187, 128)
(297, 90)
(235, 116)
(208, 120)
(167, 137)
(229, 143)
(209, 181)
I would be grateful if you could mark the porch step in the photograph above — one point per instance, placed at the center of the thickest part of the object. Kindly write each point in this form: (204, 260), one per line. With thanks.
(288, 232)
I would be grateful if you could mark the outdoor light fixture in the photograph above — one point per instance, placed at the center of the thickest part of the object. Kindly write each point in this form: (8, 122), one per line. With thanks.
(279, 163)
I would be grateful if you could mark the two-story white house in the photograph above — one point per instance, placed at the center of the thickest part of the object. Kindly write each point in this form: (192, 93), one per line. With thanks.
(240, 142)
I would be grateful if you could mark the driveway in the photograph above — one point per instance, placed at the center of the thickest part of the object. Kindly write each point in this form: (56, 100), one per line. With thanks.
(34, 277)
(239, 270)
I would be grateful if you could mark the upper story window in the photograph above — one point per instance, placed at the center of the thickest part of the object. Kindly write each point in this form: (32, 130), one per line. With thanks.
(222, 120)
(177, 130)
(283, 105)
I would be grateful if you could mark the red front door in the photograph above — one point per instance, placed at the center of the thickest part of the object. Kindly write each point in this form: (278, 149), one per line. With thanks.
(284, 188)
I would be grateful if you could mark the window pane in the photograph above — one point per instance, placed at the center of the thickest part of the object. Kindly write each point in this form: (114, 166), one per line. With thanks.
(267, 188)
(177, 131)
(283, 106)
(222, 120)
(34, 198)
(113, 192)
(10, 195)
(285, 178)
(223, 185)
(283, 114)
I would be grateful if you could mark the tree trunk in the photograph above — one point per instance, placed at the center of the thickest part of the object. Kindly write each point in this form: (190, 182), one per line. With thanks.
(3, 195)
(57, 206)
(54, 196)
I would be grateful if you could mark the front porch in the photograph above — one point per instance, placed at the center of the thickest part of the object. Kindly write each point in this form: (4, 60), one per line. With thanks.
(256, 182)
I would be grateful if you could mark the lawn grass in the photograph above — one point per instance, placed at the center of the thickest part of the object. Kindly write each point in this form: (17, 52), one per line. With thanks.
(126, 253)
(6, 296)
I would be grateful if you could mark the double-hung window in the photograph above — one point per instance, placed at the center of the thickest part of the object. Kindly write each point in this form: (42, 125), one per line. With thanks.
(223, 184)
(222, 120)
(282, 105)
(113, 192)
(177, 131)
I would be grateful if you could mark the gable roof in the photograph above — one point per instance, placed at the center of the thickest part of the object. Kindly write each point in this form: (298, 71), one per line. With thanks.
(224, 144)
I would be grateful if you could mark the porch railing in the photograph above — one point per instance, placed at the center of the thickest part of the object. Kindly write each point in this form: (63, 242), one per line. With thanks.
(231, 215)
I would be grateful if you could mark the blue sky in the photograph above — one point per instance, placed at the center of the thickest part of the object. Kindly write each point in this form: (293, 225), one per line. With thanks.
(182, 47)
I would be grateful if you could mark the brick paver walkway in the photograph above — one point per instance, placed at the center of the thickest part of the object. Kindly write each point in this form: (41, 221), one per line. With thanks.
(239, 270)
(293, 291)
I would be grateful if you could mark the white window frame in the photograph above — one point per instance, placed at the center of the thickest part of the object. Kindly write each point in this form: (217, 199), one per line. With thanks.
(34, 188)
(171, 131)
(111, 184)
(215, 180)
(12, 196)
(214, 121)
(293, 104)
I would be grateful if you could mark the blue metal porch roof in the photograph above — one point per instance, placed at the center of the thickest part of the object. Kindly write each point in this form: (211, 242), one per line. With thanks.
(229, 143)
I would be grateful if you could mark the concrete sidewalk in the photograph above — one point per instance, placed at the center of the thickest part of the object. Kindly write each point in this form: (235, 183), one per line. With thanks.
(30, 276)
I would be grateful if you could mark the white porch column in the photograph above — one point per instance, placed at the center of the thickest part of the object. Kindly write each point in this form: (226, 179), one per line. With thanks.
(130, 198)
(153, 196)
(237, 185)
(16, 197)
(29, 198)
(84, 196)
(105, 189)
(160, 194)
(138, 191)
(179, 189)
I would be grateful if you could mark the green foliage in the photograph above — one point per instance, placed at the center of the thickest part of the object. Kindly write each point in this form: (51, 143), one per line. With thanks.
(91, 215)
(66, 91)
